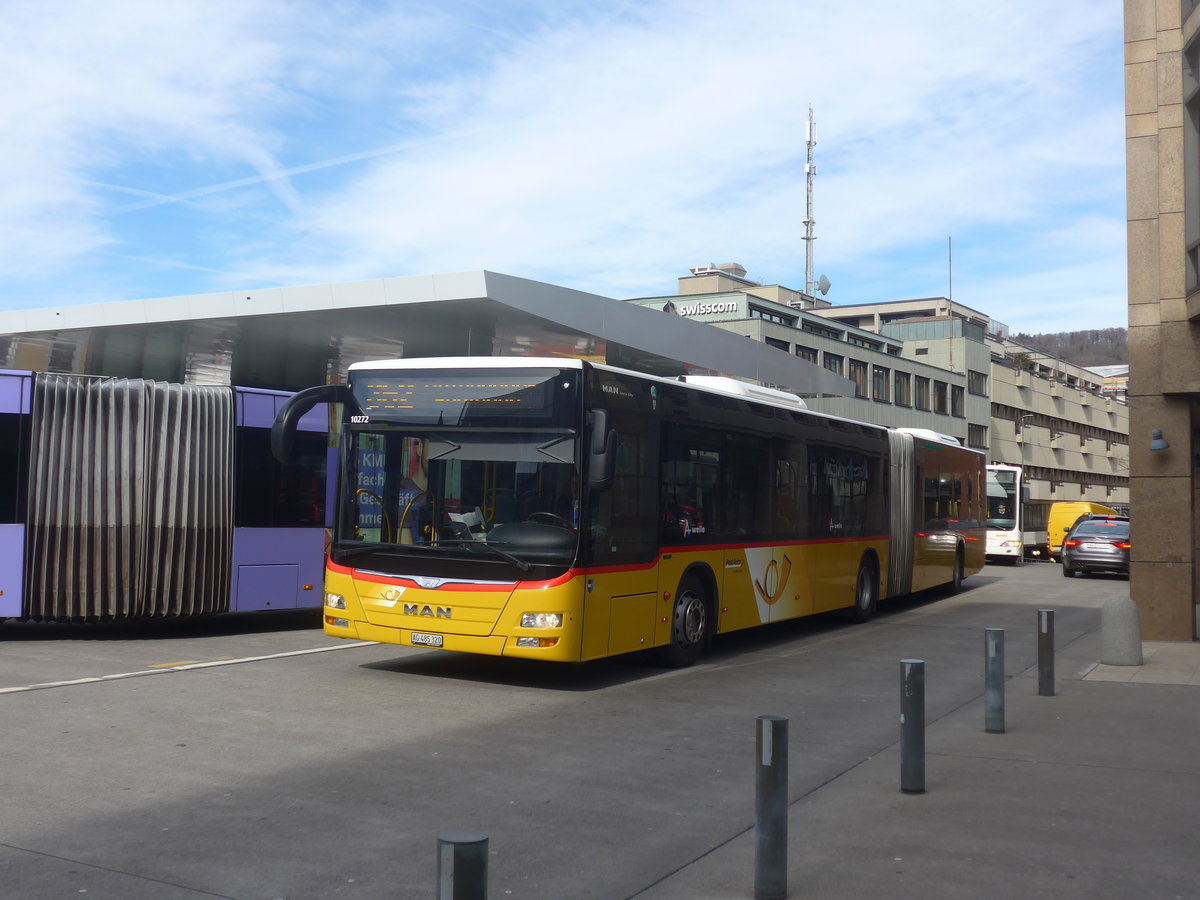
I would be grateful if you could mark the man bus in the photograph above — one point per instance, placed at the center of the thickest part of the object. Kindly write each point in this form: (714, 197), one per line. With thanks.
(560, 510)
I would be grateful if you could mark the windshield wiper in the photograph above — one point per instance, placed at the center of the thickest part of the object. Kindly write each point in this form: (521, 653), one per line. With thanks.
(503, 554)
(345, 553)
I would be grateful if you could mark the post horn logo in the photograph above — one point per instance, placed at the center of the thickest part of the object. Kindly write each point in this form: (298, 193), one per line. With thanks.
(776, 581)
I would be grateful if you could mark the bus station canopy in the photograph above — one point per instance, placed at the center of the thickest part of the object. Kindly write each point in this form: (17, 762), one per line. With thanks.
(294, 337)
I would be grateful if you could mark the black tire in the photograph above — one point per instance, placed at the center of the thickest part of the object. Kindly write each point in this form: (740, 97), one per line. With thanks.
(866, 591)
(1067, 571)
(691, 624)
(956, 579)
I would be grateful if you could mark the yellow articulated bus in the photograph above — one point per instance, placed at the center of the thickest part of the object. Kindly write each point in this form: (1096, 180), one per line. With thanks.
(560, 510)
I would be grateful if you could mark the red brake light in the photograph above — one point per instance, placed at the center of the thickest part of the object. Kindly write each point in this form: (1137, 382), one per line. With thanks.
(1123, 545)
(1070, 543)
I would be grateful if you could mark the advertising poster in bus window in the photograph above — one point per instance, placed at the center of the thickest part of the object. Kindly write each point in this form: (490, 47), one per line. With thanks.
(368, 493)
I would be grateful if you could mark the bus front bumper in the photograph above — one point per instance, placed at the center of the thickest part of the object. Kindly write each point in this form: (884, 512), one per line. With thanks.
(487, 645)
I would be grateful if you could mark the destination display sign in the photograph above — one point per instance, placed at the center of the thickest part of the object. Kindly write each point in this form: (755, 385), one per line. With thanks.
(446, 399)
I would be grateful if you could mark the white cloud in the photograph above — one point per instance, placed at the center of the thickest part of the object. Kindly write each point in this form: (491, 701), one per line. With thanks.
(602, 148)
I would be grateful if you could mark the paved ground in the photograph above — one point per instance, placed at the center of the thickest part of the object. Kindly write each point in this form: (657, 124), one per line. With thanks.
(252, 757)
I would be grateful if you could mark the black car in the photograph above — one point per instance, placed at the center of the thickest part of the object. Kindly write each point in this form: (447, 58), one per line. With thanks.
(1097, 544)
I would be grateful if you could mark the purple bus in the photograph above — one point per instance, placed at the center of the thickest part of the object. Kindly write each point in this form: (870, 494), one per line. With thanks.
(126, 498)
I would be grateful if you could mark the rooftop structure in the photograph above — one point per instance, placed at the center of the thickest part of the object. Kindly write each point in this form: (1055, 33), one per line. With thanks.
(290, 338)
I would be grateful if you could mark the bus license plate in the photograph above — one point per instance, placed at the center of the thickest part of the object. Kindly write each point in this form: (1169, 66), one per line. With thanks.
(426, 640)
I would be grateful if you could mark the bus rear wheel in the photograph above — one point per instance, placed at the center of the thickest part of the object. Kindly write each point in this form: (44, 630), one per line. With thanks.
(956, 579)
(690, 624)
(866, 591)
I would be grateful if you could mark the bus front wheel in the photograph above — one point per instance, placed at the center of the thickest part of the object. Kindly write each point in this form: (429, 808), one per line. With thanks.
(690, 624)
(866, 590)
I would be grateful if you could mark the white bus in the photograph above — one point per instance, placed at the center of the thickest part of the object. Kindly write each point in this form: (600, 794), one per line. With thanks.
(1016, 528)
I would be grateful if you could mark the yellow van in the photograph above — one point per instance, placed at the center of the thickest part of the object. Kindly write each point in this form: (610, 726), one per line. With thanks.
(1064, 515)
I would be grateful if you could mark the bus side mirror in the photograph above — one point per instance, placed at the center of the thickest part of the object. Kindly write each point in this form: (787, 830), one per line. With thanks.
(283, 430)
(602, 451)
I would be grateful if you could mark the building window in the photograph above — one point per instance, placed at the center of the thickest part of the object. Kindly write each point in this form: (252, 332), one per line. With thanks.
(977, 437)
(977, 383)
(757, 312)
(858, 374)
(903, 384)
(777, 344)
(833, 363)
(863, 342)
(921, 396)
(881, 388)
(940, 397)
(922, 351)
(957, 401)
(807, 353)
(814, 328)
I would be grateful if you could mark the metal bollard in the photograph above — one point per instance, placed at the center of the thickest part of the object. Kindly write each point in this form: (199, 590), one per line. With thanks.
(993, 640)
(1045, 653)
(770, 809)
(912, 726)
(462, 866)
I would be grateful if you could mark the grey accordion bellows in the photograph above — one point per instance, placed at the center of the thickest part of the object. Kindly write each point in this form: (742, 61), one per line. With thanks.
(130, 509)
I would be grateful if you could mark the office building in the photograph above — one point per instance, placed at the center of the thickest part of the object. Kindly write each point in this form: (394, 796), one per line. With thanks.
(1162, 129)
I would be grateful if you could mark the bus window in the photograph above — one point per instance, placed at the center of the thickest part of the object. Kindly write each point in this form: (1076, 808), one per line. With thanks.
(747, 498)
(843, 491)
(625, 517)
(690, 482)
(789, 510)
(272, 495)
(12, 485)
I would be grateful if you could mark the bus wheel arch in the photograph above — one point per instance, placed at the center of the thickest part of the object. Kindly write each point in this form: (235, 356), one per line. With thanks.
(693, 617)
(866, 587)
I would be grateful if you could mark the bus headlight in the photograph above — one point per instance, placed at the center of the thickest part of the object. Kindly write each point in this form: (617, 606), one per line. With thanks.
(541, 620)
(335, 601)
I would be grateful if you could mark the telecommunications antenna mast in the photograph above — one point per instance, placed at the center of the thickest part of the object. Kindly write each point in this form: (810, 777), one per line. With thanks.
(810, 171)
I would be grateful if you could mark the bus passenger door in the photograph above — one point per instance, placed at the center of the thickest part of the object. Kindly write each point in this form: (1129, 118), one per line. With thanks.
(621, 588)
(763, 479)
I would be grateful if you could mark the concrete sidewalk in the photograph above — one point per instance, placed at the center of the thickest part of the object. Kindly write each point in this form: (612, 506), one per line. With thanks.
(1089, 793)
(1164, 662)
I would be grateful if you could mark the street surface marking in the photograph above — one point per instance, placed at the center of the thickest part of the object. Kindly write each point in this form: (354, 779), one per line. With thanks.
(163, 668)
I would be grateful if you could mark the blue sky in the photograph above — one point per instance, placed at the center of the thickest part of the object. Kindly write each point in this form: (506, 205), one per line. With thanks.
(159, 149)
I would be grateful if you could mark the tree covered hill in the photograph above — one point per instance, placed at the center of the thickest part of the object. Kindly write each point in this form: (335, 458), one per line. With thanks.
(1099, 347)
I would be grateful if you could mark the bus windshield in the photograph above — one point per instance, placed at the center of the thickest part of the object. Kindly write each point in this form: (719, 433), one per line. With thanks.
(1001, 500)
(416, 494)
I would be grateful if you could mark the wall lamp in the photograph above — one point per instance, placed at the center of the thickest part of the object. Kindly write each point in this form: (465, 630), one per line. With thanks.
(1157, 441)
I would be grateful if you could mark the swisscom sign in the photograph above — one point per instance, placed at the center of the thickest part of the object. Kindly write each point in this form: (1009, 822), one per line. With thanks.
(702, 309)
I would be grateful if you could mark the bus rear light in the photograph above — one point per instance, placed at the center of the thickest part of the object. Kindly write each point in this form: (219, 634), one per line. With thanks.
(337, 623)
(541, 620)
(536, 642)
(335, 601)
